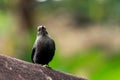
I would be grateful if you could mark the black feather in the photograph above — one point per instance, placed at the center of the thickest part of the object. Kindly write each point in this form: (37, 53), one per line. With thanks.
(33, 52)
(44, 48)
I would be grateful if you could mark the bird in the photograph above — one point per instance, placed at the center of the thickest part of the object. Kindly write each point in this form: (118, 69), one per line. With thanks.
(44, 47)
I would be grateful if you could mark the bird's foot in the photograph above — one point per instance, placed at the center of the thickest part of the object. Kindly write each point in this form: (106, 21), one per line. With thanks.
(47, 66)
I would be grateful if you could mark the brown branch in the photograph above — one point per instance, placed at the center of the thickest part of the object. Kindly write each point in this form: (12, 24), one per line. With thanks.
(14, 69)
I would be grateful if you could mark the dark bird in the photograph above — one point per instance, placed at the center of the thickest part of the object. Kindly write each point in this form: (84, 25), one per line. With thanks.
(44, 47)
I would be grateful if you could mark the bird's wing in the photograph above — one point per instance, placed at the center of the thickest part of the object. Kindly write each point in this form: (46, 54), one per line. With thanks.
(53, 44)
(33, 52)
(52, 47)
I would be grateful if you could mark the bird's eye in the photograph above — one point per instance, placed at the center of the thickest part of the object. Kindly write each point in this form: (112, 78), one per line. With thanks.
(43, 28)
(39, 29)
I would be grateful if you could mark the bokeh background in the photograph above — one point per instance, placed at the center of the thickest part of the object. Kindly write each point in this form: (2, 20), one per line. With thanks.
(86, 32)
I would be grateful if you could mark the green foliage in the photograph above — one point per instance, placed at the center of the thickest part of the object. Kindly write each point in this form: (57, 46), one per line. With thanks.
(98, 63)
(96, 10)
(94, 61)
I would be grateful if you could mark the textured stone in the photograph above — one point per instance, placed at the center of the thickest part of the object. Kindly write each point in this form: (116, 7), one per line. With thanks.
(15, 69)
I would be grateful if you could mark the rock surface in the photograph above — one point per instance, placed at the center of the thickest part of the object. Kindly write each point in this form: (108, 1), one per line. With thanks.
(15, 69)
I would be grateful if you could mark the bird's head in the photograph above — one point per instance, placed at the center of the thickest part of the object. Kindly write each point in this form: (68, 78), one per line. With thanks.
(41, 30)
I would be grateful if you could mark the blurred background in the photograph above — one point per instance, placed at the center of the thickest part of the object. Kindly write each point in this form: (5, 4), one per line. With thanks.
(86, 32)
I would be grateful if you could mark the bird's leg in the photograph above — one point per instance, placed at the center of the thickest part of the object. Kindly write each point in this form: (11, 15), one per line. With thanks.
(47, 65)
